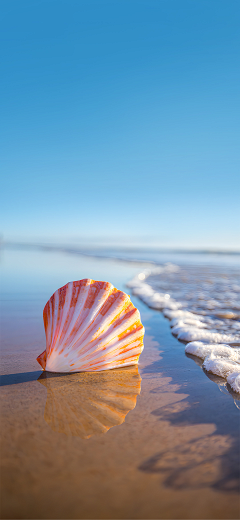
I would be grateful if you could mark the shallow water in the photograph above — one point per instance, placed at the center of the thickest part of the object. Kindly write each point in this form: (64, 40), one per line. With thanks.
(203, 306)
(160, 441)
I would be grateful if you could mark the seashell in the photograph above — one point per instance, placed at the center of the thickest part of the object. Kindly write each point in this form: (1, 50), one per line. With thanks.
(87, 404)
(90, 326)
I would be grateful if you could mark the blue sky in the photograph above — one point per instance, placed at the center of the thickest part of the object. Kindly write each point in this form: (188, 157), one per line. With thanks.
(120, 121)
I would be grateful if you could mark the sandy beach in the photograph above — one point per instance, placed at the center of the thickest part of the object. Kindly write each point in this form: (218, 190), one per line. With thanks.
(165, 445)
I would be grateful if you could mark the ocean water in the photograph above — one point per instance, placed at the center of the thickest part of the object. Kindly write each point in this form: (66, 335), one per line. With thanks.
(202, 303)
(160, 257)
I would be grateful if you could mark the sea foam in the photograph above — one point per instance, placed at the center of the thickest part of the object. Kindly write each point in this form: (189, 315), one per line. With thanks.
(221, 366)
(234, 381)
(202, 304)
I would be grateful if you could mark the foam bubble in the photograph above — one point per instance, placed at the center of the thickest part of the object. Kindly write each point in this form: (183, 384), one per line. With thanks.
(202, 350)
(194, 334)
(220, 366)
(176, 322)
(179, 314)
(234, 381)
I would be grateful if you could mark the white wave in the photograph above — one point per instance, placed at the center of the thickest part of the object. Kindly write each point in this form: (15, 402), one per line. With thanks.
(191, 301)
(221, 360)
(234, 381)
(195, 334)
(170, 314)
(176, 322)
(221, 366)
(202, 350)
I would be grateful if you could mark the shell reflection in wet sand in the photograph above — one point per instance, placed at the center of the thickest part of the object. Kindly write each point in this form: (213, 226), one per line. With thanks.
(86, 403)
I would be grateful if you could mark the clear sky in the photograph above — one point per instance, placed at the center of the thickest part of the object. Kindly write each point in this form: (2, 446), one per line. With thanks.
(120, 120)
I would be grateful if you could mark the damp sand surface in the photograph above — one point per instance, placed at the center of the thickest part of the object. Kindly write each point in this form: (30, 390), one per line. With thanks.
(157, 441)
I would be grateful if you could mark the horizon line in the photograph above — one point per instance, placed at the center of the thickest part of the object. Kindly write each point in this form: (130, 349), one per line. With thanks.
(84, 248)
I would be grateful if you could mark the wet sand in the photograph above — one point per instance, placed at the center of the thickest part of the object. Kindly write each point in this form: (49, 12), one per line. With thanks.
(160, 441)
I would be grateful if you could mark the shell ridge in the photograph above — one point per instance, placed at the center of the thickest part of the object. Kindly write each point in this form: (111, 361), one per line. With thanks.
(114, 324)
(135, 352)
(82, 292)
(79, 296)
(70, 316)
(111, 335)
(103, 357)
(97, 316)
(64, 314)
(74, 311)
(48, 322)
(59, 312)
(91, 326)
(120, 355)
(78, 343)
(68, 322)
(109, 366)
(117, 345)
(79, 318)
(101, 332)
(55, 319)
(112, 349)
(114, 343)
(54, 310)
(134, 349)
(91, 319)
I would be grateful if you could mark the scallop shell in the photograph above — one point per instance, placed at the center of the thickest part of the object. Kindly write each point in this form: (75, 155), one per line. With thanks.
(90, 326)
(88, 404)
